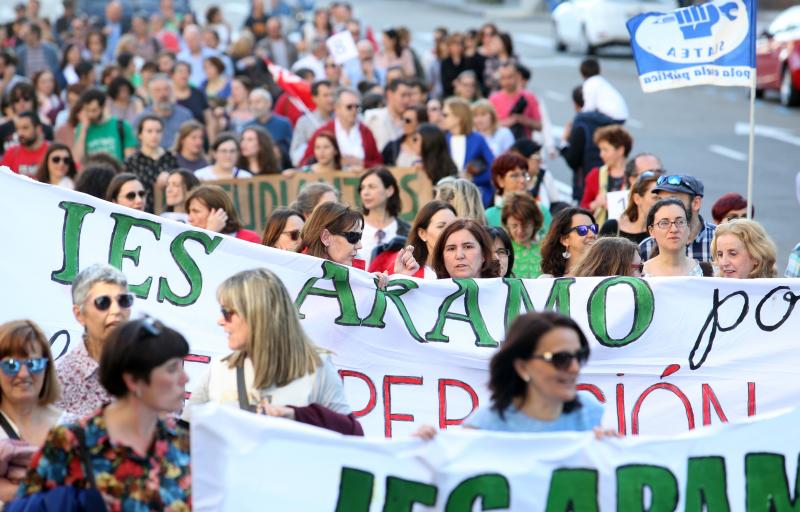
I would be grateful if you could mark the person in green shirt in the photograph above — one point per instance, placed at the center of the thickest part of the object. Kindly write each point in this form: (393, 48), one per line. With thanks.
(522, 218)
(510, 174)
(97, 133)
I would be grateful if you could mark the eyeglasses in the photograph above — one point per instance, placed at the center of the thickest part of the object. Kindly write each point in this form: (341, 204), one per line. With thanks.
(352, 106)
(103, 302)
(664, 224)
(58, 159)
(502, 251)
(518, 176)
(584, 229)
(352, 237)
(293, 234)
(130, 196)
(12, 366)
(227, 314)
(563, 360)
(734, 217)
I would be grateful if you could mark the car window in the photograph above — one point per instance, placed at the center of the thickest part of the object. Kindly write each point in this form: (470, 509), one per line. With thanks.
(787, 20)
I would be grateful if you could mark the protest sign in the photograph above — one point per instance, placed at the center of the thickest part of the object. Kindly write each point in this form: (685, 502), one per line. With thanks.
(710, 43)
(255, 198)
(668, 354)
(616, 202)
(342, 47)
(241, 461)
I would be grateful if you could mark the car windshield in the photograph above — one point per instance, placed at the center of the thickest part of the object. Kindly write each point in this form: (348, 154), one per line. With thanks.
(787, 20)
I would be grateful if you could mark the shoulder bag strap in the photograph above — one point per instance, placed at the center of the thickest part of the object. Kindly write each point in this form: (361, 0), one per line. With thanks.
(9, 430)
(85, 458)
(241, 388)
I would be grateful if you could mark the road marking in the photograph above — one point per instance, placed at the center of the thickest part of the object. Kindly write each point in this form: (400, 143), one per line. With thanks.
(770, 132)
(555, 96)
(727, 152)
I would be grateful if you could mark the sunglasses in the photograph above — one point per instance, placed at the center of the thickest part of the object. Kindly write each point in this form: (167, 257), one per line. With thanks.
(12, 366)
(673, 179)
(130, 196)
(293, 234)
(227, 314)
(58, 159)
(583, 230)
(352, 237)
(22, 98)
(103, 302)
(563, 360)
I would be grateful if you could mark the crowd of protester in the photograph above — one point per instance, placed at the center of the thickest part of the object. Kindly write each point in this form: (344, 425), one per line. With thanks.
(122, 107)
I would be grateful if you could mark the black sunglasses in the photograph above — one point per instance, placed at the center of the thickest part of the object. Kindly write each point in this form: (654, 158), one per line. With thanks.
(583, 229)
(58, 159)
(22, 98)
(103, 302)
(227, 314)
(563, 360)
(293, 234)
(130, 196)
(352, 237)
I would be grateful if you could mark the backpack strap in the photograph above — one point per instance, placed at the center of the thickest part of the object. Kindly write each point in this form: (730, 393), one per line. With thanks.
(9, 430)
(241, 388)
(121, 134)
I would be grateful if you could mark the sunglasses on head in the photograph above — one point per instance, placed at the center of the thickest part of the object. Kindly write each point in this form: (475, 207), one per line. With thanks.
(11, 366)
(58, 159)
(227, 314)
(352, 237)
(563, 360)
(584, 229)
(130, 196)
(672, 179)
(103, 302)
(293, 234)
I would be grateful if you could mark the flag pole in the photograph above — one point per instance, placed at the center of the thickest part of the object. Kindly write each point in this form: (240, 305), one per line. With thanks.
(751, 145)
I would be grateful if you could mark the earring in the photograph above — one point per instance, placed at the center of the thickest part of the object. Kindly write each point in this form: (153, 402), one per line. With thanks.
(138, 393)
(526, 378)
(566, 254)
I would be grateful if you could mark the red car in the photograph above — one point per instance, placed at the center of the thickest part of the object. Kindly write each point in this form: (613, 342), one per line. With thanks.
(778, 57)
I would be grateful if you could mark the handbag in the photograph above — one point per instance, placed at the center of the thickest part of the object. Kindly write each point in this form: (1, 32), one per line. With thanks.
(65, 498)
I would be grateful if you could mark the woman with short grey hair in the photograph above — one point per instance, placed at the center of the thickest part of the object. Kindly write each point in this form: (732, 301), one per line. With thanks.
(100, 302)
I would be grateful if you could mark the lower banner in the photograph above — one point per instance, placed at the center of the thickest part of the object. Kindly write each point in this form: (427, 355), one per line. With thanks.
(245, 462)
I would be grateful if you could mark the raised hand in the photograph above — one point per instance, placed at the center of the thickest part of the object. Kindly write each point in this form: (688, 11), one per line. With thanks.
(405, 263)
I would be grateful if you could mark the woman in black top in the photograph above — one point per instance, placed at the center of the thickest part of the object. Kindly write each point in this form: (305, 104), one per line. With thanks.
(456, 62)
(632, 222)
(151, 163)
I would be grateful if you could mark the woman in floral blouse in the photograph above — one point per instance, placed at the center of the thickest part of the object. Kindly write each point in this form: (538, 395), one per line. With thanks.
(140, 461)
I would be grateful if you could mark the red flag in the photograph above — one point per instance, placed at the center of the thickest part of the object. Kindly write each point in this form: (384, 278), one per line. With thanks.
(291, 84)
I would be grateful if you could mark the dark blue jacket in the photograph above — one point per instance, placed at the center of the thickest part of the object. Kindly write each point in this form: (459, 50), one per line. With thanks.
(478, 152)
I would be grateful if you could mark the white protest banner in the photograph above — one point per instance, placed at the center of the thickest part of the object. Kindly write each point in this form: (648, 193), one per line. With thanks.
(616, 202)
(668, 354)
(241, 461)
(342, 47)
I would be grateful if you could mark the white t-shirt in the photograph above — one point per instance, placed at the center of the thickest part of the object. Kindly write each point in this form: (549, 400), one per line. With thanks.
(207, 173)
(458, 150)
(350, 143)
(370, 239)
(600, 95)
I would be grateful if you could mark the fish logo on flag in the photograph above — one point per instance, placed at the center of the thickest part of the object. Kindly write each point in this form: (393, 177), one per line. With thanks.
(711, 43)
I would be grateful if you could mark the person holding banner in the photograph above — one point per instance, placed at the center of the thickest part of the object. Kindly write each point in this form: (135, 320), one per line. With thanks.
(632, 223)
(380, 205)
(668, 224)
(465, 250)
(333, 232)
(611, 256)
(210, 207)
(533, 377)
(571, 234)
(226, 154)
(742, 249)
(283, 229)
(125, 189)
(274, 368)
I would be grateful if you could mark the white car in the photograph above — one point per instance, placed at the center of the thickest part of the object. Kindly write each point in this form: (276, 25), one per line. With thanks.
(585, 25)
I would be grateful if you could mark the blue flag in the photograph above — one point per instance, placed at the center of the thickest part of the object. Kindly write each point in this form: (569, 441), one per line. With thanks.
(712, 43)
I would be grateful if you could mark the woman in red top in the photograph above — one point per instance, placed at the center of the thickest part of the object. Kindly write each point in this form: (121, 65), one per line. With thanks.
(615, 144)
(209, 207)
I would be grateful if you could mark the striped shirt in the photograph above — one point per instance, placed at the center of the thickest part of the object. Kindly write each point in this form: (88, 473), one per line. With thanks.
(699, 249)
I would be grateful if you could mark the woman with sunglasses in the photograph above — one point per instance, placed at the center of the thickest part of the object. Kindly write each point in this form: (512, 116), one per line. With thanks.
(668, 223)
(333, 232)
(209, 207)
(58, 168)
(179, 183)
(126, 190)
(100, 302)
(632, 224)
(151, 163)
(533, 377)
(28, 389)
(283, 229)
(465, 250)
(571, 234)
(137, 455)
(611, 256)
(274, 368)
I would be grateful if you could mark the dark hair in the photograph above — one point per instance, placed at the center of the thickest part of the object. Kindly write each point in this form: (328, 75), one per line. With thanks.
(276, 223)
(609, 256)
(395, 84)
(94, 94)
(590, 67)
(500, 233)
(393, 204)
(436, 159)
(24, 90)
(553, 261)
(224, 137)
(331, 137)
(65, 53)
(395, 37)
(97, 33)
(422, 221)
(615, 135)
(83, 68)
(103, 159)
(190, 181)
(9, 59)
(33, 116)
(108, 72)
(319, 83)
(212, 13)
(651, 215)
(38, 76)
(124, 59)
(522, 338)
(640, 189)
(420, 111)
(43, 173)
(94, 180)
(117, 84)
(137, 348)
(726, 203)
(217, 63)
(490, 267)
(336, 218)
(267, 160)
(309, 195)
(214, 197)
(504, 164)
(148, 117)
(116, 185)
(577, 96)
(35, 29)
(508, 44)
(522, 206)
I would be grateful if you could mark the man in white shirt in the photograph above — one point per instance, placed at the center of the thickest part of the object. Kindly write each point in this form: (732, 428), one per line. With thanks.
(315, 59)
(599, 95)
(387, 123)
(322, 94)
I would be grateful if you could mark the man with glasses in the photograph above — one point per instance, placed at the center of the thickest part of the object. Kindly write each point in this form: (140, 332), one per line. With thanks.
(100, 302)
(387, 123)
(26, 157)
(356, 142)
(688, 190)
(322, 95)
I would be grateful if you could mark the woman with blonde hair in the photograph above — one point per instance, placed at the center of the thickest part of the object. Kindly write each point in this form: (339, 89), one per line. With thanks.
(463, 195)
(499, 138)
(468, 148)
(274, 368)
(742, 249)
(611, 256)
